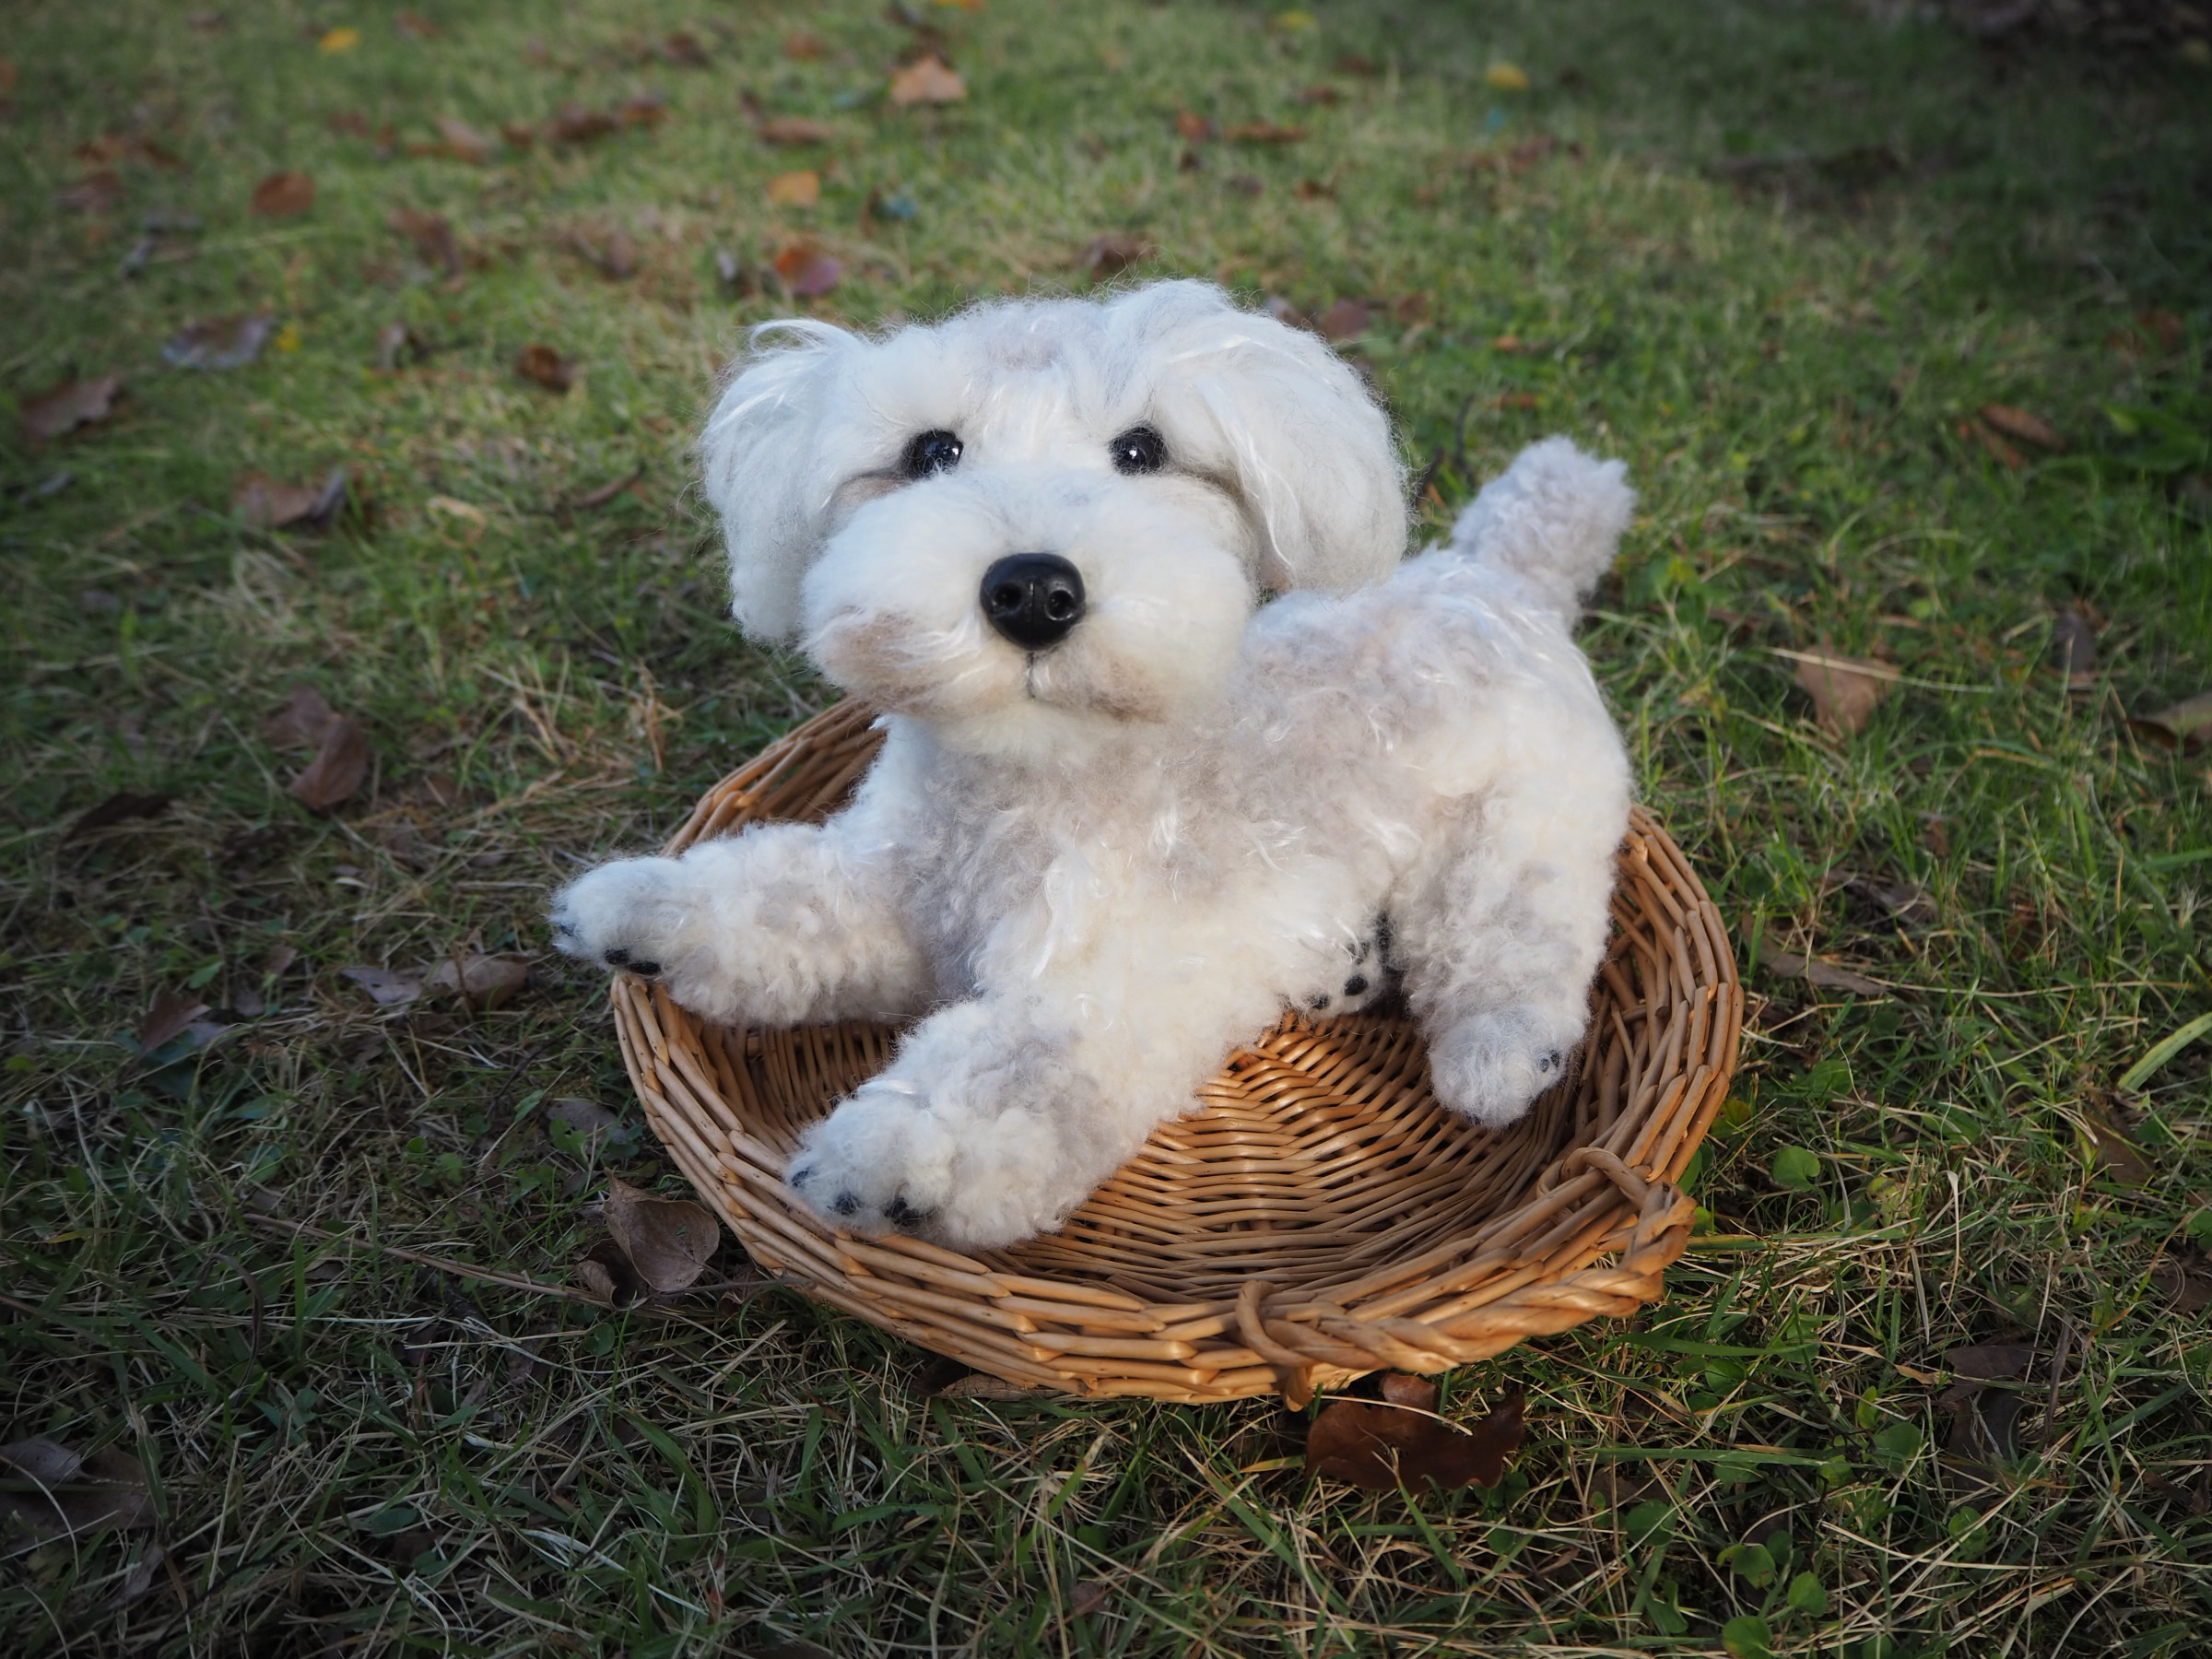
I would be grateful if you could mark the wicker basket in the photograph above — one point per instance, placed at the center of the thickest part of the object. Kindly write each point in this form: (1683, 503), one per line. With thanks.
(1320, 1216)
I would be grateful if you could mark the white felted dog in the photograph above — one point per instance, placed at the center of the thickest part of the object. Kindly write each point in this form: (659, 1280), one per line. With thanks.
(1127, 810)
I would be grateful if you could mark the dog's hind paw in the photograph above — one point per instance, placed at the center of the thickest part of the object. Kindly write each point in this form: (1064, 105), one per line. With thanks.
(881, 1162)
(1492, 1066)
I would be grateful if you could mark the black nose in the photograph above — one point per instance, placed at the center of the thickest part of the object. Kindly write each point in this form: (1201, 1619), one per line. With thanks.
(1033, 598)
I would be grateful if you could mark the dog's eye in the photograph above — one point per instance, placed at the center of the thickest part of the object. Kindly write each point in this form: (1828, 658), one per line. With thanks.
(932, 452)
(1138, 450)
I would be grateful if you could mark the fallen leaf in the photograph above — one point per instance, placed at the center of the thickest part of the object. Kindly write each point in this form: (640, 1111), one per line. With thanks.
(464, 143)
(1380, 1447)
(1087, 1595)
(1843, 690)
(482, 982)
(801, 189)
(1194, 128)
(1314, 190)
(1991, 1361)
(588, 1118)
(2020, 423)
(807, 270)
(796, 129)
(605, 1272)
(1346, 320)
(338, 771)
(171, 1012)
(1285, 311)
(51, 1492)
(615, 253)
(668, 1240)
(279, 958)
(927, 80)
(1351, 62)
(983, 1386)
(468, 511)
(2187, 1285)
(685, 50)
(119, 808)
(263, 503)
(1507, 78)
(139, 1580)
(2121, 1159)
(339, 39)
(1824, 976)
(393, 341)
(414, 26)
(1976, 432)
(1323, 95)
(219, 342)
(390, 987)
(1266, 132)
(573, 124)
(547, 367)
(1111, 254)
(432, 237)
(2074, 648)
(303, 721)
(284, 195)
(648, 109)
(2186, 725)
(71, 405)
(803, 48)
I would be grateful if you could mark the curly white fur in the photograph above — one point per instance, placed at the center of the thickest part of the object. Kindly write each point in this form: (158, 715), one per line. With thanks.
(1096, 867)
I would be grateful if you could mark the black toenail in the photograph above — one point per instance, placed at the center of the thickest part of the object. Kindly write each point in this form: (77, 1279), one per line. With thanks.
(1355, 986)
(902, 1215)
(1549, 1063)
(647, 968)
(846, 1203)
(617, 959)
(1319, 1003)
(798, 1179)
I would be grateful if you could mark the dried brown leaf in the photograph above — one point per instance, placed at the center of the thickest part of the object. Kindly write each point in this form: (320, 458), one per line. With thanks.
(668, 1240)
(806, 269)
(799, 189)
(284, 195)
(303, 721)
(1844, 690)
(263, 503)
(2121, 1159)
(390, 987)
(1991, 1361)
(1404, 1388)
(2027, 427)
(927, 80)
(1380, 1447)
(50, 1491)
(608, 490)
(71, 405)
(1111, 254)
(1194, 128)
(171, 1012)
(547, 367)
(338, 771)
(483, 982)
(983, 1386)
(1346, 320)
(464, 143)
(432, 237)
(2186, 725)
(2187, 1285)
(1824, 976)
(119, 808)
(573, 124)
(803, 48)
(1320, 94)
(1087, 1595)
(796, 129)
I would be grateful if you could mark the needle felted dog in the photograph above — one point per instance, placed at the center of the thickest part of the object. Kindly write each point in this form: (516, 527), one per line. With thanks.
(1128, 807)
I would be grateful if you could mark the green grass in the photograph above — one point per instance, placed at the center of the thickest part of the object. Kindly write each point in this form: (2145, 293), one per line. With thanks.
(1796, 249)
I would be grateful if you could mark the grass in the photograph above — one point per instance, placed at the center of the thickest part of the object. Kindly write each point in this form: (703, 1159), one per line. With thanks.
(1776, 257)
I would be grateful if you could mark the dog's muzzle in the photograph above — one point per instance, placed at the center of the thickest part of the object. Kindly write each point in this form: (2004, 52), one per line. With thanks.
(1033, 598)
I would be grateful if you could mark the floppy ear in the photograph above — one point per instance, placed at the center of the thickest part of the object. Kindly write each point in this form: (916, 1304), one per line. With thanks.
(1277, 414)
(760, 455)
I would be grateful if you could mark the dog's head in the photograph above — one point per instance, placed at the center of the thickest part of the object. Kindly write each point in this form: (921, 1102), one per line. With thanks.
(1042, 515)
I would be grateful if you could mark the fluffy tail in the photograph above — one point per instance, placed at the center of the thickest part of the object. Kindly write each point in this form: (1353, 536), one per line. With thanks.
(1554, 518)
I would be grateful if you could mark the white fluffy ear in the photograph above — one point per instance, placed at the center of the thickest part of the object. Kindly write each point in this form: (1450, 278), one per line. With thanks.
(1275, 414)
(760, 456)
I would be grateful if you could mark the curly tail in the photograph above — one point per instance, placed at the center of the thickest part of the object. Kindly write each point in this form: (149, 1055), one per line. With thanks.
(1553, 518)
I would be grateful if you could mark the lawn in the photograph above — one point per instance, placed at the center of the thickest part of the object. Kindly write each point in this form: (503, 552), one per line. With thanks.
(1904, 337)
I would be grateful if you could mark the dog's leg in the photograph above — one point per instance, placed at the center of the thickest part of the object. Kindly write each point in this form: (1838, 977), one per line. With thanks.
(1501, 934)
(1000, 1115)
(785, 923)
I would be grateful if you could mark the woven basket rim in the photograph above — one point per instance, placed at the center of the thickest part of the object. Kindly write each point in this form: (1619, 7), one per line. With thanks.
(1594, 1174)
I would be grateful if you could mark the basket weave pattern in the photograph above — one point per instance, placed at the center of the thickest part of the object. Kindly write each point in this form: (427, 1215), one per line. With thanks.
(1318, 1217)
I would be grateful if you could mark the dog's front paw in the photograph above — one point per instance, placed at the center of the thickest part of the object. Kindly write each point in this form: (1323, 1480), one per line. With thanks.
(629, 914)
(1492, 1066)
(881, 1162)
